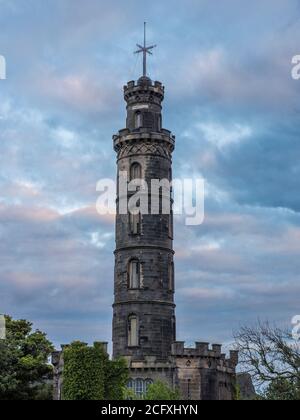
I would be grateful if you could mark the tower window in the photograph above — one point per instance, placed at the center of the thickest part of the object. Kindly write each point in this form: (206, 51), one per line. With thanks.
(171, 181)
(134, 274)
(174, 328)
(135, 171)
(159, 123)
(171, 276)
(135, 223)
(138, 120)
(133, 339)
(170, 225)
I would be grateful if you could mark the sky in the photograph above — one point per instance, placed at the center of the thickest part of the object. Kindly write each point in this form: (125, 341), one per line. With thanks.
(234, 108)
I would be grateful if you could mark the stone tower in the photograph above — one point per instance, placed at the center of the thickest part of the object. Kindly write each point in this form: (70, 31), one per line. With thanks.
(144, 324)
(144, 311)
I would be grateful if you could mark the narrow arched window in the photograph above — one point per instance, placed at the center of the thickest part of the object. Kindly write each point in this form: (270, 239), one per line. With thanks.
(171, 276)
(138, 120)
(135, 223)
(174, 328)
(135, 171)
(133, 339)
(159, 123)
(134, 274)
(171, 183)
(171, 224)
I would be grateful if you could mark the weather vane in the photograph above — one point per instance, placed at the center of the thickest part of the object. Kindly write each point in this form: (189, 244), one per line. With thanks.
(145, 50)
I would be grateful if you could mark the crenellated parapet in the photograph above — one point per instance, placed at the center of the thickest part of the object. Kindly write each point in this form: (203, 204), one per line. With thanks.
(203, 351)
(204, 372)
(144, 90)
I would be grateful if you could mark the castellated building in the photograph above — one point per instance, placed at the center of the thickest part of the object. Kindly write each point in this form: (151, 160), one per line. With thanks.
(144, 322)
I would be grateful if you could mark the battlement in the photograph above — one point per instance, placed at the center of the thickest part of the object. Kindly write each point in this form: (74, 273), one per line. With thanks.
(204, 350)
(144, 90)
(144, 82)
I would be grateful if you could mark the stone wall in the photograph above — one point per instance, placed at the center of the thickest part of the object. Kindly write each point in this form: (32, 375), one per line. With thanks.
(204, 373)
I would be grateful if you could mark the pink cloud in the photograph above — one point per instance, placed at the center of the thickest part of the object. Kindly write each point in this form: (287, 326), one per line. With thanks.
(79, 91)
(22, 213)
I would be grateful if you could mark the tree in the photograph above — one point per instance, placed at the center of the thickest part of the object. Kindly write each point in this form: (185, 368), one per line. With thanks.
(272, 357)
(88, 374)
(282, 390)
(24, 368)
(160, 391)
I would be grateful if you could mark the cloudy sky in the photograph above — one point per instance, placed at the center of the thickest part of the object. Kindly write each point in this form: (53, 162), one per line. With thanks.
(234, 108)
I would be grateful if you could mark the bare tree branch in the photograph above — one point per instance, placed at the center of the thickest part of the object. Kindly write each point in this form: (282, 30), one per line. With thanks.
(268, 353)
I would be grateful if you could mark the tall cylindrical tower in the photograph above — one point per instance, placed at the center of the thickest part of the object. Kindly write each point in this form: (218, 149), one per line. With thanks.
(144, 311)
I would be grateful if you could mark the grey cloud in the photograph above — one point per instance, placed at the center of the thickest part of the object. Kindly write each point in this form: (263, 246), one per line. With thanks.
(60, 105)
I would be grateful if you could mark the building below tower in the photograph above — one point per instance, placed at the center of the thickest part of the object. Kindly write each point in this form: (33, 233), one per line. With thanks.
(199, 373)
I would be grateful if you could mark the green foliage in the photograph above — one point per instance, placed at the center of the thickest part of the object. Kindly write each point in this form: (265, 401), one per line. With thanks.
(282, 390)
(24, 367)
(129, 394)
(44, 392)
(83, 374)
(159, 391)
(238, 394)
(89, 374)
(116, 379)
